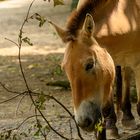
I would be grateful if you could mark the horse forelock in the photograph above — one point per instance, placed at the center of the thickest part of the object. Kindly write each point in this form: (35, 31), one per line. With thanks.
(76, 19)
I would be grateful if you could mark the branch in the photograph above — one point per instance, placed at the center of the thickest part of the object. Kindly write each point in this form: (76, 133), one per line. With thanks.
(65, 108)
(10, 91)
(38, 123)
(25, 121)
(19, 103)
(11, 41)
(23, 75)
(28, 91)
(70, 129)
(11, 98)
(78, 130)
(45, 117)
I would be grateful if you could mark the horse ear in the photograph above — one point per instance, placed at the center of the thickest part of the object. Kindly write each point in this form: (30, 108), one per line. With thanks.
(89, 25)
(61, 32)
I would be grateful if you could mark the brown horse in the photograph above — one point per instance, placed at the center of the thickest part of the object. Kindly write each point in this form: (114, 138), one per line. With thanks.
(91, 71)
(118, 30)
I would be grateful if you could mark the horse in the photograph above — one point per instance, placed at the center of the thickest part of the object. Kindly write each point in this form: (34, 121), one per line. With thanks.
(118, 30)
(91, 72)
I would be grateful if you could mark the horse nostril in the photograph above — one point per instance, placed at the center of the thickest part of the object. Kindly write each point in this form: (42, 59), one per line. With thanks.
(87, 122)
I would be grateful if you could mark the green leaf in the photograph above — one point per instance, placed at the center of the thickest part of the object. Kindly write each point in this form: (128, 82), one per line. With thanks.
(32, 66)
(23, 134)
(46, 128)
(39, 18)
(39, 126)
(16, 137)
(99, 127)
(42, 21)
(40, 101)
(58, 2)
(37, 133)
(27, 40)
(58, 70)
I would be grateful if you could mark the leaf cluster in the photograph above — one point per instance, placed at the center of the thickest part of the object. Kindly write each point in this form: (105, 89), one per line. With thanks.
(12, 135)
(57, 2)
(27, 40)
(40, 129)
(40, 101)
(99, 127)
(39, 18)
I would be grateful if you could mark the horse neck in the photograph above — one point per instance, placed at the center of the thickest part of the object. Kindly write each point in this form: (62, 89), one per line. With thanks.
(124, 13)
(125, 18)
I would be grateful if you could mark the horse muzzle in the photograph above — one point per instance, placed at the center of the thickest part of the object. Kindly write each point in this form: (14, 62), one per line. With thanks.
(87, 115)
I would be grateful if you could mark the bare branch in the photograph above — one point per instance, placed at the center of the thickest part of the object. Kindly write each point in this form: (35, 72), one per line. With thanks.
(70, 128)
(25, 121)
(20, 103)
(37, 121)
(23, 75)
(78, 130)
(11, 98)
(10, 91)
(11, 41)
(65, 108)
(45, 117)
(24, 22)
(28, 91)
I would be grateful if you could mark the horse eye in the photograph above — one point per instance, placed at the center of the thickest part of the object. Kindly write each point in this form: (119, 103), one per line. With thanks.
(89, 66)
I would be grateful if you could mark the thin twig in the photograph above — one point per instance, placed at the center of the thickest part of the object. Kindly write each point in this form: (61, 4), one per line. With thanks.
(78, 130)
(16, 128)
(24, 22)
(37, 121)
(70, 128)
(20, 103)
(11, 41)
(25, 121)
(10, 91)
(23, 75)
(11, 98)
(45, 118)
(19, 45)
(65, 108)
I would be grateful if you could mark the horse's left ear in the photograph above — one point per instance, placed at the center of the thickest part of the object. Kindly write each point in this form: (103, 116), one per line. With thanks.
(89, 25)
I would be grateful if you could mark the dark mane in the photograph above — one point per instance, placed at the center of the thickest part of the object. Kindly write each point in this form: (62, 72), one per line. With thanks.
(77, 17)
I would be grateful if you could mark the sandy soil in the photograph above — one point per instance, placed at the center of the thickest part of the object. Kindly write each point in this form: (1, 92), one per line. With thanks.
(41, 64)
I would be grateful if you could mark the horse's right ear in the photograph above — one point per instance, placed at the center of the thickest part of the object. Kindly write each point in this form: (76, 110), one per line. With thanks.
(61, 32)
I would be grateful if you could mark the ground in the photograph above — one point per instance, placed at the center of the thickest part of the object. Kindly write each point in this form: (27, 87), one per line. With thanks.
(42, 64)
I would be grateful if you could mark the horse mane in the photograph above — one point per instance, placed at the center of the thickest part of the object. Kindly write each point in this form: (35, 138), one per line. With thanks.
(77, 17)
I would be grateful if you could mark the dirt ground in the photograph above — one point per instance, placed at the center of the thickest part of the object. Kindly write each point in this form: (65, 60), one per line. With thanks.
(41, 64)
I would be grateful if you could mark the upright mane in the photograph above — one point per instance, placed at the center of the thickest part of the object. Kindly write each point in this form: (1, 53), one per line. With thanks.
(77, 17)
